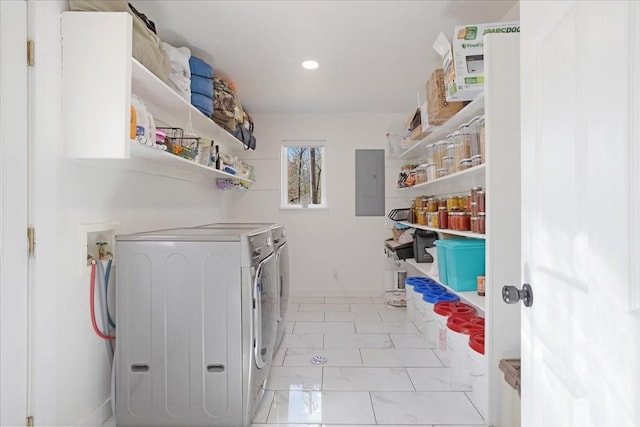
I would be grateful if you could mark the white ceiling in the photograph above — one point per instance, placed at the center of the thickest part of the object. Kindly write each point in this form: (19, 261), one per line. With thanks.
(374, 55)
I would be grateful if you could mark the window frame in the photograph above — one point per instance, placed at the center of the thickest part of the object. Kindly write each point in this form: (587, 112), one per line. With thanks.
(284, 182)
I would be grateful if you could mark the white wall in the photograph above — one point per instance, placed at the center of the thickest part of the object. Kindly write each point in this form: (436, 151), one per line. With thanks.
(332, 252)
(71, 372)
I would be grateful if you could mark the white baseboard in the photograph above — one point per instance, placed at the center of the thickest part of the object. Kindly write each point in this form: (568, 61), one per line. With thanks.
(99, 416)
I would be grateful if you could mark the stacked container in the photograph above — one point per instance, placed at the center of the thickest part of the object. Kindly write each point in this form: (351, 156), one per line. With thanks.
(459, 330)
(429, 299)
(478, 371)
(442, 311)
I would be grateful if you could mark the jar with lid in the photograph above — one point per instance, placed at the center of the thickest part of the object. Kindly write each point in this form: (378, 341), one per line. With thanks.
(474, 224)
(449, 160)
(482, 218)
(422, 216)
(412, 213)
(443, 217)
(432, 219)
(432, 204)
(481, 201)
(481, 132)
(421, 174)
(459, 221)
(463, 157)
(430, 163)
(440, 155)
(474, 133)
(452, 203)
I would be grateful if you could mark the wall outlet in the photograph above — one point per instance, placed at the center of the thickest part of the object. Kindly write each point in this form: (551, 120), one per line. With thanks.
(93, 238)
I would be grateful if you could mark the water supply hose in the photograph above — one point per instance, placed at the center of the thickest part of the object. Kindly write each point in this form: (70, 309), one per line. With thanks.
(92, 292)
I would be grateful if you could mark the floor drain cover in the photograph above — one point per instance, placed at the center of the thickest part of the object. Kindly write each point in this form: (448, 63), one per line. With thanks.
(318, 360)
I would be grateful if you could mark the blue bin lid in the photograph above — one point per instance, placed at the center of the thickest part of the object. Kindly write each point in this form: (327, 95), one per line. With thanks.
(415, 280)
(460, 243)
(435, 298)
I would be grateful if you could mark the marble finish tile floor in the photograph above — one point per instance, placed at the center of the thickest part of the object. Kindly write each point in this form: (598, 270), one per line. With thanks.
(380, 371)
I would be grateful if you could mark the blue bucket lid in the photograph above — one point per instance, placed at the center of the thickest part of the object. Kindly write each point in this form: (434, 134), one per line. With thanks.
(414, 280)
(431, 288)
(435, 297)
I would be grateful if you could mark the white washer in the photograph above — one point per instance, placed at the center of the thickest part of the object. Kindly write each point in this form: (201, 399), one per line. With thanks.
(196, 326)
(282, 261)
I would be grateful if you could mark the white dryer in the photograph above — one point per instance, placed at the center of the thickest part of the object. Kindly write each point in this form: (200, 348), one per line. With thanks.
(196, 316)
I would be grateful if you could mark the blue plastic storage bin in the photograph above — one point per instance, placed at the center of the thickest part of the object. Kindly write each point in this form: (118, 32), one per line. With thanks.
(460, 262)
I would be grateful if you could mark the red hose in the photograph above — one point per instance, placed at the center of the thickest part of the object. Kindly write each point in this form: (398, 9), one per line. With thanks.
(91, 305)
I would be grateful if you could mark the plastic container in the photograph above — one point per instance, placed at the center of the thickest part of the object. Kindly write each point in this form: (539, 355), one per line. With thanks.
(142, 120)
(459, 330)
(410, 283)
(416, 298)
(460, 262)
(478, 372)
(441, 312)
(429, 299)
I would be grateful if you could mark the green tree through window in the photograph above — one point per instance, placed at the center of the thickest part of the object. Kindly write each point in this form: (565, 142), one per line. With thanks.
(304, 175)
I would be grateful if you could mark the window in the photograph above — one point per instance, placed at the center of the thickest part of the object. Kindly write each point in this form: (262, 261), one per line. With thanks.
(303, 174)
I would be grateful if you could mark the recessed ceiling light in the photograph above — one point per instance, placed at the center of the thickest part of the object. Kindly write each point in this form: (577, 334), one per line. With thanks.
(310, 64)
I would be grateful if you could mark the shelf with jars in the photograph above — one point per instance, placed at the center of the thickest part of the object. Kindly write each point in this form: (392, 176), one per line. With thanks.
(455, 159)
(461, 215)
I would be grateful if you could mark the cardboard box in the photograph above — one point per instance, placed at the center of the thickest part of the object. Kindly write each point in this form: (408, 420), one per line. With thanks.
(463, 60)
(438, 109)
(416, 125)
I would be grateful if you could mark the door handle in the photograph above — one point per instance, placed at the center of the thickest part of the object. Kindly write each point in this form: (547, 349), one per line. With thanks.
(512, 295)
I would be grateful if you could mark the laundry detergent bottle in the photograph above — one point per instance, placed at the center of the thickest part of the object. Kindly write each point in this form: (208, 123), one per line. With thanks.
(142, 120)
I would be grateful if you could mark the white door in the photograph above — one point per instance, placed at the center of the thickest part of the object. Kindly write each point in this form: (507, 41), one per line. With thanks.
(13, 213)
(580, 71)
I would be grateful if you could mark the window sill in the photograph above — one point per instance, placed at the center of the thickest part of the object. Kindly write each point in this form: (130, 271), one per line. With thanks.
(301, 209)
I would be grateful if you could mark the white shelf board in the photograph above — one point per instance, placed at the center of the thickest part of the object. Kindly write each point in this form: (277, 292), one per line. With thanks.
(455, 183)
(470, 297)
(169, 107)
(445, 230)
(152, 161)
(474, 108)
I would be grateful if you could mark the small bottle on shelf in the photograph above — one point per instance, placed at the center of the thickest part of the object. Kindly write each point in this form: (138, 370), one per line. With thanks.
(217, 157)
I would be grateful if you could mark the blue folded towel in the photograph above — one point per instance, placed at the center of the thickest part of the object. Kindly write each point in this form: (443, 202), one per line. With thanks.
(202, 103)
(202, 85)
(200, 68)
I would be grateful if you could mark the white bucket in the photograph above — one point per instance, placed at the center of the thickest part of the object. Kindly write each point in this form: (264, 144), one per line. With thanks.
(479, 381)
(458, 349)
(429, 323)
(440, 337)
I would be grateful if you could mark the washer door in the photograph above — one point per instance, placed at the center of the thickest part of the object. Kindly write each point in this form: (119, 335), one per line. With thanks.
(282, 258)
(265, 293)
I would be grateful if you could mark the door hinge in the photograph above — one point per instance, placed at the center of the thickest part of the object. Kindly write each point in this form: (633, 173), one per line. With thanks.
(31, 238)
(31, 53)
(29, 421)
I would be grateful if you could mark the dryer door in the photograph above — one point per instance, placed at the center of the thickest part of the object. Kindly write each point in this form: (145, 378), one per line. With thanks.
(265, 293)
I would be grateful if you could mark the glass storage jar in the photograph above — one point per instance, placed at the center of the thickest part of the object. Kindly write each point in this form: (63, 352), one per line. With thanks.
(474, 133)
(443, 217)
(422, 216)
(481, 201)
(448, 153)
(481, 132)
(463, 157)
(482, 217)
(432, 204)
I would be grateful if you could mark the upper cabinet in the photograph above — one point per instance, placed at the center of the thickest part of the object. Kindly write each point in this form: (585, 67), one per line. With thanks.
(99, 75)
